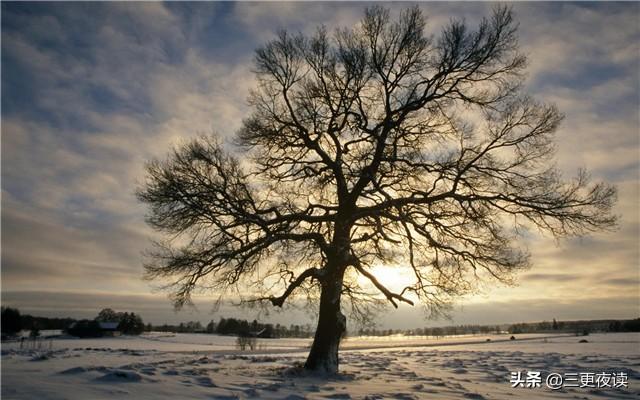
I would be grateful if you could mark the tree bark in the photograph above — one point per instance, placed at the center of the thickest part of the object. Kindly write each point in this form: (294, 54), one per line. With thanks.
(332, 324)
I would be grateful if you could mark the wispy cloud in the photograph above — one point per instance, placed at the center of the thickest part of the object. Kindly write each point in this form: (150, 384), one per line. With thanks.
(91, 91)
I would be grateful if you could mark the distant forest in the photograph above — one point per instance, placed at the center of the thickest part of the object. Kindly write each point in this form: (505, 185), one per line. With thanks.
(233, 326)
(578, 327)
(13, 321)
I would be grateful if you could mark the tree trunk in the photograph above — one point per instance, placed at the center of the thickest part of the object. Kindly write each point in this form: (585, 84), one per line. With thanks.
(332, 324)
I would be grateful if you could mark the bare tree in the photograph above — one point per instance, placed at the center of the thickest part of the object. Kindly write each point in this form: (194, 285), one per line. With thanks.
(372, 145)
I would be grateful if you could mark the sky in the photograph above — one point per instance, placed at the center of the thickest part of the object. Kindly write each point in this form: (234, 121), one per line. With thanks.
(91, 91)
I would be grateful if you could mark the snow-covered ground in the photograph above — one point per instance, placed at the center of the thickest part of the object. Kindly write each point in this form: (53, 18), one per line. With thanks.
(184, 366)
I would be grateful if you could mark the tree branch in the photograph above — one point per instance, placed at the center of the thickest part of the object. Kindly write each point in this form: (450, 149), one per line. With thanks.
(391, 296)
(313, 273)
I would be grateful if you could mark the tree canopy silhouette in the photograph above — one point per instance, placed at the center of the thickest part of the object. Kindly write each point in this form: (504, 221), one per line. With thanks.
(376, 144)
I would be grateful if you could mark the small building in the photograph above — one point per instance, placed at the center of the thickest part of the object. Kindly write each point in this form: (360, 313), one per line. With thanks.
(91, 328)
(110, 328)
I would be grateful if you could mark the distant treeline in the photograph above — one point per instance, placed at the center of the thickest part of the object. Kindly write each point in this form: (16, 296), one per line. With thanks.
(13, 322)
(437, 331)
(577, 327)
(233, 326)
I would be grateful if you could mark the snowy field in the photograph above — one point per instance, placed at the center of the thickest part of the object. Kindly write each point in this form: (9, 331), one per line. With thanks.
(185, 366)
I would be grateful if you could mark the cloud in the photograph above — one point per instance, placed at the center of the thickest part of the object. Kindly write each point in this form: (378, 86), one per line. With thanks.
(40, 251)
(550, 278)
(92, 91)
